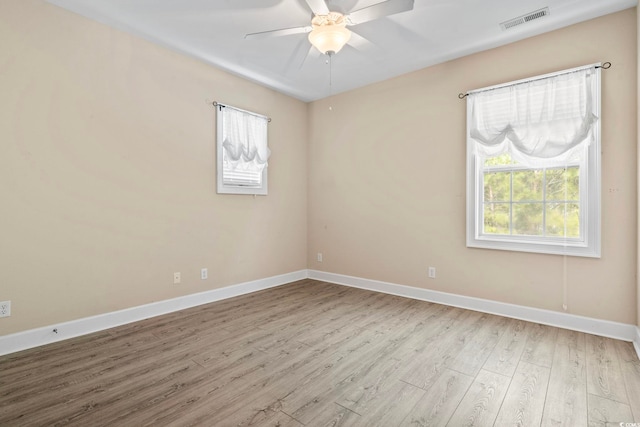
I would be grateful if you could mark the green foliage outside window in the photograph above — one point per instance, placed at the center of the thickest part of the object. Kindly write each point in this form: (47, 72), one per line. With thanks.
(530, 202)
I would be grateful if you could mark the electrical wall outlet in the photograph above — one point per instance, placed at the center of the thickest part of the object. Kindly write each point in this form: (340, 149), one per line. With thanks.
(5, 308)
(432, 272)
(176, 278)
(319, 257)
(204, 274)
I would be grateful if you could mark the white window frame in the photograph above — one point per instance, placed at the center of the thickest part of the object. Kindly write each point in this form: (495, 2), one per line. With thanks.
(227, 188)
(589, 245)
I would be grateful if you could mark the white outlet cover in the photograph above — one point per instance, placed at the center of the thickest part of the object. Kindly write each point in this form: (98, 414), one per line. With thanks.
(204, 274)
(5, 308)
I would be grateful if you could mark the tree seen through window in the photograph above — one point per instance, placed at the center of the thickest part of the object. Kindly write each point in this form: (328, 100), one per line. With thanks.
(520, 201)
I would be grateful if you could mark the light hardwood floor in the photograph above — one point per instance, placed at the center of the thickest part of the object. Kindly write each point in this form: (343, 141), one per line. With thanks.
(319, 354)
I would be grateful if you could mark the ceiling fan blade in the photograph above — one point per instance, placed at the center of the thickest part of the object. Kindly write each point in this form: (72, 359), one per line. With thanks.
(319, 7)
(299, 56)
(312, 53)
(379, 10)
(278, 33)
(362, 44)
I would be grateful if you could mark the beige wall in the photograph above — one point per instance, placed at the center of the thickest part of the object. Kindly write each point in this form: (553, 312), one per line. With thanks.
(107, 167)
(107, 172)
(387, 179)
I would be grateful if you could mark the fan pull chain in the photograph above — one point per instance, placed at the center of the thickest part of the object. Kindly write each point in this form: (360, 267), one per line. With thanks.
(330, 62)
(330, 74)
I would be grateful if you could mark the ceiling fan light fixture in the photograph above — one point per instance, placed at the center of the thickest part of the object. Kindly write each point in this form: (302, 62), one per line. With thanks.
(329, 33)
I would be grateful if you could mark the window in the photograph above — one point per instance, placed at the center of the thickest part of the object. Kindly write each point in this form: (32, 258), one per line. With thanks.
(522, 201)
(533, 165)
(242, 151)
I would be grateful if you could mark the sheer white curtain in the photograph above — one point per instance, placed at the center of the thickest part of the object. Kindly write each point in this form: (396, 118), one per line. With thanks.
(541, 121)
(244, 137)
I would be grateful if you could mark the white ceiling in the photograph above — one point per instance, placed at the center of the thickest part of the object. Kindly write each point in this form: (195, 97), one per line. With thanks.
(434, 31)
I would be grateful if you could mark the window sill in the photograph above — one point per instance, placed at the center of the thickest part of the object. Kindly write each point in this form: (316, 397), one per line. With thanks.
(580, 250)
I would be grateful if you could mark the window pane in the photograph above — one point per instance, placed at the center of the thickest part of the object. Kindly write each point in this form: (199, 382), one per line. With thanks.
(527, 219)
(496, 218)
(527, 185)
(563, 184)
(503, 159)
(560, 215)
(497, 186)
(242, 177)
(573, 183)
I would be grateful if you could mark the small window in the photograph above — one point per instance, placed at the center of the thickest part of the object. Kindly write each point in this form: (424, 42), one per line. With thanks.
(533, 165)
(242, 151)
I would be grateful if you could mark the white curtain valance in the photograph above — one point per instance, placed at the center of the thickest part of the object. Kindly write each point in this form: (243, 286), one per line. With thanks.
(245, 140)
(542, 120)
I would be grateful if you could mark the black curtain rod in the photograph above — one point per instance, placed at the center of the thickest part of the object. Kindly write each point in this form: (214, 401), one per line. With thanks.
(604, 66)
(218, 104)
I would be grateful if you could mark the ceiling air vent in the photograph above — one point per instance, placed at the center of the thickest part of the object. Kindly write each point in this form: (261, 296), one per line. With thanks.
(524, 18)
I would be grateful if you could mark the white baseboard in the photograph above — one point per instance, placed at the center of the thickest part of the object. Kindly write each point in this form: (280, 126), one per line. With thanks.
(45, 335)
(621, 331)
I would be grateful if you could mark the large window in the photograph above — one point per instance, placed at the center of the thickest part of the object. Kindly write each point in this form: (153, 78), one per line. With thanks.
(242, 151)
(533, 165)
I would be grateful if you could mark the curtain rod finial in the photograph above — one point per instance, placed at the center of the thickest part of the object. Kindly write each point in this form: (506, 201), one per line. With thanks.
(462, 95)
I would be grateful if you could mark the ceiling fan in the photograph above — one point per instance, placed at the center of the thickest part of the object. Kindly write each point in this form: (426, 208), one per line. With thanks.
(328, 32)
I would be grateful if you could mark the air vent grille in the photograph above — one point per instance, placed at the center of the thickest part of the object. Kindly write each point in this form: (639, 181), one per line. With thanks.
(524, 18)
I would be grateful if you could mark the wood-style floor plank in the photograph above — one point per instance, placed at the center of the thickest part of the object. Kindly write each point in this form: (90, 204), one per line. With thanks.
(607, 413)
(361, 395)
(335, 416)
(540, 345)
(317, 354)
(525, 398)
(427, 366)
(630, 366)
(481, 344)
(505, 357)
(604, 376)
(481, 403)
(566, 403)
(308, 403)
(440, 401)
(392, 407)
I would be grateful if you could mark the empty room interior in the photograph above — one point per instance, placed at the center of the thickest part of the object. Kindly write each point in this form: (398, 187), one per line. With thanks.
(445, 231)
